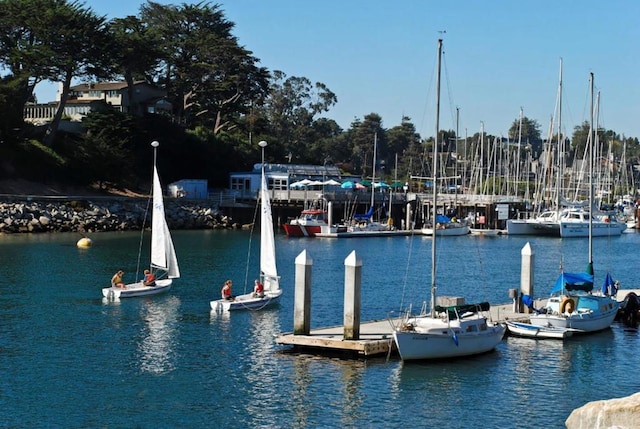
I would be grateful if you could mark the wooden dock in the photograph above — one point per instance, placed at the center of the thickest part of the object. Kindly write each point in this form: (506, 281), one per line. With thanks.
(376, 337)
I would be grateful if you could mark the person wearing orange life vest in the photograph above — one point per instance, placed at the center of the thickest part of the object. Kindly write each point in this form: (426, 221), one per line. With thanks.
(149, 278)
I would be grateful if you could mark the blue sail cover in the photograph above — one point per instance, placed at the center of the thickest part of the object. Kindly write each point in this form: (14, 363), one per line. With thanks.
(442, 219)
(573, 281)
(365, 216)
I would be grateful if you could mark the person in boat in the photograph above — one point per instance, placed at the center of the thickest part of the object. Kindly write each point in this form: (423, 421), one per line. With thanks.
(258, 289)
(116, 280)
(226, 291)
(149, 278)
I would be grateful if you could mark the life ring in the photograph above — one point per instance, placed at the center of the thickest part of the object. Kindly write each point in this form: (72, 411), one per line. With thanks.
(567, 305)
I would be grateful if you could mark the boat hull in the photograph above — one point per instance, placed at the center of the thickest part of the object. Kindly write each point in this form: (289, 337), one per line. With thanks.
(447, 232)
(599, 229)
(584, 319)
(293, 230)
(540, 332)
(137, 289)
(434, 338)
(246, 302)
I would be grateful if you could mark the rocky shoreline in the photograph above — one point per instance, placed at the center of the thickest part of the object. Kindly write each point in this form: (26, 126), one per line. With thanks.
(92, 215)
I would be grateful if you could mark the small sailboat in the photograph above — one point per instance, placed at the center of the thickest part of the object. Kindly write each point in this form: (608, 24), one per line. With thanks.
(447, 332)
(164, 262)
(268, 271)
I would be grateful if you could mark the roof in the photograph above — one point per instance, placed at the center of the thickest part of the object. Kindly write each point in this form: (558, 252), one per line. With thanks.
(105, 86)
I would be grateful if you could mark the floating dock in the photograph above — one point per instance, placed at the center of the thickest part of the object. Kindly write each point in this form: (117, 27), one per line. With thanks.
(376, 337)
(356, 234)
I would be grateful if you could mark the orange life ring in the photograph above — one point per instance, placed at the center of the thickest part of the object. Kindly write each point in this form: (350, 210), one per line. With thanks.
(567, 305)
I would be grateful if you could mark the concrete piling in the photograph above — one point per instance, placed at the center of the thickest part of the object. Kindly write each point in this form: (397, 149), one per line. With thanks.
(302, 298)
(352, 301)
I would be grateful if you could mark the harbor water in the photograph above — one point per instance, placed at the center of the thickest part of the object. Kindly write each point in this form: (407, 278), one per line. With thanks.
(69, 359)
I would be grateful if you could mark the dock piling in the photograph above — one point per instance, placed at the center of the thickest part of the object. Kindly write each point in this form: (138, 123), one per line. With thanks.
(352, 286)
(302, 298)
(526, 273)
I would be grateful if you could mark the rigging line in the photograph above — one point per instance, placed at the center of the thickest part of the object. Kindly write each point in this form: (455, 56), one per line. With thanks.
(253, 226)
(144, 222)
(452, 110)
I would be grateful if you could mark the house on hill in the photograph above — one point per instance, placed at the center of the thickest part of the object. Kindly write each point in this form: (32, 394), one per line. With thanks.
(88, 97)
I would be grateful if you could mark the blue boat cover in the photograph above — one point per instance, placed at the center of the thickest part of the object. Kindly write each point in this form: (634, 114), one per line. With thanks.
(573, 281)
(365, 216)
(442, 219)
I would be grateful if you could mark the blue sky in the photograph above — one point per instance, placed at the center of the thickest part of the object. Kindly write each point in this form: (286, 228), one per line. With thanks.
(500, 56)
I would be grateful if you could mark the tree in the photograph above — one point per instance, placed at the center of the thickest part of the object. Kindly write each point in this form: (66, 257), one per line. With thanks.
(210, 78)
(529, 133)
(362, 135)
(135, 54)
(290, 108)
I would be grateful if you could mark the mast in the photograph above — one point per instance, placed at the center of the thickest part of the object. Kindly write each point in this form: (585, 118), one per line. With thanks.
(560, 144)
(591, 140)
(373, 174)
(435, 188)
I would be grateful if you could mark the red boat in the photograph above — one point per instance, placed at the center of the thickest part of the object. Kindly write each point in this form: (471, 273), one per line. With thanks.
(308, 224)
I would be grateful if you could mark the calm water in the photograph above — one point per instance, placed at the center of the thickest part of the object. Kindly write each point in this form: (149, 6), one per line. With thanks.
(70, 360)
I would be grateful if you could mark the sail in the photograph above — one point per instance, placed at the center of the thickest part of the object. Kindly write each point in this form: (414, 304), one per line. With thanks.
(267, 240)
(163, 255)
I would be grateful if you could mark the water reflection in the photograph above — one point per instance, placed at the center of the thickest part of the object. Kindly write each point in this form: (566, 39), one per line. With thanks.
(159, 335)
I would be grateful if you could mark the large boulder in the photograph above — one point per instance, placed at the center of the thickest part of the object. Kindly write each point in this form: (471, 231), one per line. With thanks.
(619, 413)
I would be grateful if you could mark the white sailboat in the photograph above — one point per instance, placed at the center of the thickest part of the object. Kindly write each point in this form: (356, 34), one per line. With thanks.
(268, 271)
(164, 263)
(571, 304)
(446, 332)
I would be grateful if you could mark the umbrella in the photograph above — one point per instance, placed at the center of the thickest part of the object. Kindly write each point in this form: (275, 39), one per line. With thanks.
(300, 184)
(396, 185)
(332, 183)
(380, 185)
(315, 183)
(360, 186)
(365, 183)
(347, 185)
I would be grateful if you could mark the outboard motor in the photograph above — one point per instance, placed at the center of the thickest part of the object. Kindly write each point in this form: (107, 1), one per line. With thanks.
(629, 311)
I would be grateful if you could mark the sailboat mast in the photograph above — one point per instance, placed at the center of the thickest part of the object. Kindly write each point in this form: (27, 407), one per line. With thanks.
(592, 141)
(560, 143)
(373, 173)
(435, 187)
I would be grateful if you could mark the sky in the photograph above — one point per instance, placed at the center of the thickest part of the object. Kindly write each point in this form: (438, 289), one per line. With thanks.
(500, 56)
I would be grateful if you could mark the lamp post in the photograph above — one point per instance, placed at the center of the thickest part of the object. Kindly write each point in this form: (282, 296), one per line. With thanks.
(262, 145)
(154, 145)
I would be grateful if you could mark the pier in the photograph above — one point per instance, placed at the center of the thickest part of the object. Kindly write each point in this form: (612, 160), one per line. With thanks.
(362, 339)
(374, 338)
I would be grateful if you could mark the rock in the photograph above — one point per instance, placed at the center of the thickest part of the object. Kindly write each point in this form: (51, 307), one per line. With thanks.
(619, 413)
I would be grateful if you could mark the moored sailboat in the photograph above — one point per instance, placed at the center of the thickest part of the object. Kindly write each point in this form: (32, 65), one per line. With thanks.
(446, 332)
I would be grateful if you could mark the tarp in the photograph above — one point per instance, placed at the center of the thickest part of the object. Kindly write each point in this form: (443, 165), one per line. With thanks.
(573, 281)
(442, 219)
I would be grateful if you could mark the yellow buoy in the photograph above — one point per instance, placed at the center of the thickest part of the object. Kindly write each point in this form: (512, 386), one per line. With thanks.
(84, 242)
